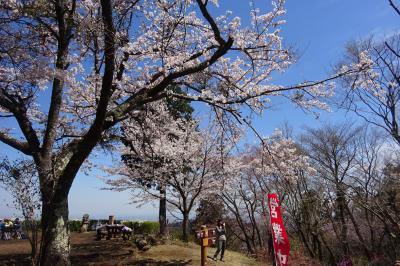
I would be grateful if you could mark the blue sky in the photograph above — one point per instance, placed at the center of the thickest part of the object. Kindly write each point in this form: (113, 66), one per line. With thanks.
(318, 29)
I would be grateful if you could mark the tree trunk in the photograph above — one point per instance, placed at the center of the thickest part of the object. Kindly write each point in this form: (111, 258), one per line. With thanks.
(341, 202)
(271, 251)
(304, 239)
(55, 245)
(31, 229)
(363, 243)
(331, 256)
(185, 227)
(162, 215)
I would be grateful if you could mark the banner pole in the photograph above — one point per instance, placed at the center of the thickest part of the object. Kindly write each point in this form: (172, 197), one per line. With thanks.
(274, 262)
(271, 244)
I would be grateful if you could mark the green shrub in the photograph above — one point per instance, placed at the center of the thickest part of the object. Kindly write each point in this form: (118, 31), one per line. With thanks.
(128, 223)
(149, 227)
(175, 233)
(146, 227)
(136, 227)
(30, 223)
(92, 225)
(74, 225)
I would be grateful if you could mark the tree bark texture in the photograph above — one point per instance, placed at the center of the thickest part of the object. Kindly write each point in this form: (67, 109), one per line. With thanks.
(162, 215)
(185, 227)
(55, 245)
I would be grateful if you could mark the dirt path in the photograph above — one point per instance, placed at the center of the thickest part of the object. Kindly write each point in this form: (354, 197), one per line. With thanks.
(87, 251)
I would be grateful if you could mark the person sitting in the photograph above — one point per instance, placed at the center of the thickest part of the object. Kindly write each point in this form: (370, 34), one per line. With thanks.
(8, 223)
(100, 231)
(18, 228)
(7, 228)
(126, 232)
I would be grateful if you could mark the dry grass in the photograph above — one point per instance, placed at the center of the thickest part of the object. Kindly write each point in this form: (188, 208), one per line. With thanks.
(178, 253)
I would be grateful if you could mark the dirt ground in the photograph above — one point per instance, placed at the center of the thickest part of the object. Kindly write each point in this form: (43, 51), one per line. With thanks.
(87, 251)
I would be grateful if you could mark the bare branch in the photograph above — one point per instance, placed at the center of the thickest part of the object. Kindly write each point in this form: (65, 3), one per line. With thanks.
(394, 7)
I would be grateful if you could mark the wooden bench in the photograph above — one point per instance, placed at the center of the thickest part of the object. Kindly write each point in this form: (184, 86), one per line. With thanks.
(112, 231)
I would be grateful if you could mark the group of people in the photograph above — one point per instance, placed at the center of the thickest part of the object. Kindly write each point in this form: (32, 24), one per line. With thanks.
(110, 230)
(10, 229)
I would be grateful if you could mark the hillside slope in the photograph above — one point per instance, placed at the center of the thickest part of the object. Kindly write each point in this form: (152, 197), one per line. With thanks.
(181, 254)
(87, 251)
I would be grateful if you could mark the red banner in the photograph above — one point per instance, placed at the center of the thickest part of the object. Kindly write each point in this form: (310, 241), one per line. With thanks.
(280, 237)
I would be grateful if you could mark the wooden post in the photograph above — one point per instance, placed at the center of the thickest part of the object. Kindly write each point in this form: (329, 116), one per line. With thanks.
(204, 244)
(111, 219)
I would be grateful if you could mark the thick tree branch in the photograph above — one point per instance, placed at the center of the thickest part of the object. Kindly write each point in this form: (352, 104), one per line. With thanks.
(64, 31)
(91, 138)
(19, 145)
(140, 98)
(146, 95)
(221, 103)
(19, 112)
(209, 18)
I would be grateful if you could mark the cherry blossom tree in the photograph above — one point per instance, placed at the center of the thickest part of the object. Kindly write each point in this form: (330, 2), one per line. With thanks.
(149, 125)
(171, 159)
(274, 165)
(71, 71)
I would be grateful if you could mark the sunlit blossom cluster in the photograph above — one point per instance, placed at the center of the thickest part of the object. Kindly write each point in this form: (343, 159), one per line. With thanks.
(368, 77)
(219, 61)
(278, 158)
(162, 150)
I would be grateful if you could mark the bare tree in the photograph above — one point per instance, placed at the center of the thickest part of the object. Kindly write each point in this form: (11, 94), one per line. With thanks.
(20, 179)
(357, 187)
(333, 149)
(374, 95)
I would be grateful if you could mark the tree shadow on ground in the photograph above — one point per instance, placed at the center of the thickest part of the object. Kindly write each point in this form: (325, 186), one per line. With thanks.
(86, 251)
(104, 252)
(151, 262)
(11, 260)
(115, 252)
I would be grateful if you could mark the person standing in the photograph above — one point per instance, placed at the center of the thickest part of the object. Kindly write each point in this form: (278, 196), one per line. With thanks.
(221, 239)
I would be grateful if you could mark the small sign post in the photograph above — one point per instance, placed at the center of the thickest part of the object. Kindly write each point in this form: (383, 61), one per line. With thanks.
(204, 244)
(207, 238)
